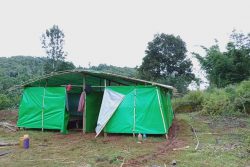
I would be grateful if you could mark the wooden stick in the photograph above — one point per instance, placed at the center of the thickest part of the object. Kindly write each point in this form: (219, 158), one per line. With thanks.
(4, 152)
(9, 144)
(122, 162)
(182, 148)
(198, 142)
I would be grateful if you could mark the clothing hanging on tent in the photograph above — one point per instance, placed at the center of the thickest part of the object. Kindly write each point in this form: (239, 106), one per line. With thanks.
(67, 102)
(81, 102)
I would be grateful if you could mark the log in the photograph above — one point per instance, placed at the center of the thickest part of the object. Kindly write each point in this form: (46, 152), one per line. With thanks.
(182, 148)
(9, 126)
(8, 144)
(5, 152)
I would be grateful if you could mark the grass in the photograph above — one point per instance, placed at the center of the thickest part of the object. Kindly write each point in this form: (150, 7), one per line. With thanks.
(224, 141)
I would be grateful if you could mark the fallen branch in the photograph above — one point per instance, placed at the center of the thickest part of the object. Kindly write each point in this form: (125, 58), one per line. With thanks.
(182, 148)
(9, 144)
(4, 152)
(9, 126)
(198, 142)
(209, 133)
(122, 162)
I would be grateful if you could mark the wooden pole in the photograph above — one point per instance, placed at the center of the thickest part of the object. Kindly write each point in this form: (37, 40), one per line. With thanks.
(84, 110)
(43, 103)
(105, 84)
(159, 101)
(134, 111)
(43, 107)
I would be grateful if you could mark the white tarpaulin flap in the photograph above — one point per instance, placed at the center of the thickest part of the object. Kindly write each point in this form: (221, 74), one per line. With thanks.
(110, 102)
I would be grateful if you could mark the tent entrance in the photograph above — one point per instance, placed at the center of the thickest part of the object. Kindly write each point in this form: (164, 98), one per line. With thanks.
(85, 121)
(75, 117)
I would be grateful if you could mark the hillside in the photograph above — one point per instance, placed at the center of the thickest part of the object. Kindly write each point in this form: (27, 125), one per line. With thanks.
(126, 71)
(17, 69)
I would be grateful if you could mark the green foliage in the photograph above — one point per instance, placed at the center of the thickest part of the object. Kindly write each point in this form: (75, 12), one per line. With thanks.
(4, 101)
(190, 102)
(230, 100)
(126, 71)
(242, 98)
(230, 67)
(17, 70)
(53, 43)
(217, 102)
(166, 62)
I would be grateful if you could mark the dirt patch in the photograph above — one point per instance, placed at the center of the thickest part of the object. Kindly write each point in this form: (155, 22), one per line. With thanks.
(9, 115)
(163, 148)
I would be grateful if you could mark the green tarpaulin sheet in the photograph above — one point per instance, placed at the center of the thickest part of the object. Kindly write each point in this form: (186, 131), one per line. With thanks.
(43, 108)
(142, 110)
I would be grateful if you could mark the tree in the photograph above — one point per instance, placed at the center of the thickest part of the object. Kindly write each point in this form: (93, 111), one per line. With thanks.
(229, 67)
(53, 43)
(126, 71)
(166, 62)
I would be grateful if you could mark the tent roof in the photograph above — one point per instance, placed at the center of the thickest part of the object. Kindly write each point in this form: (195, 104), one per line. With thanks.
(95, 78)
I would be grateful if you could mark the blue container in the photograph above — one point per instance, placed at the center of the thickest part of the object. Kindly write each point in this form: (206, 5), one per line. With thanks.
(144, 136)
(26, 143)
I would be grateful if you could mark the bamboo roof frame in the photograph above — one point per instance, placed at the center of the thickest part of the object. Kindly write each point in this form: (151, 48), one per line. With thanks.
(99, 74)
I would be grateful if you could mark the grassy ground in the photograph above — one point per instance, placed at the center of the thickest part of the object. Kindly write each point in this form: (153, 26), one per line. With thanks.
(224, 141)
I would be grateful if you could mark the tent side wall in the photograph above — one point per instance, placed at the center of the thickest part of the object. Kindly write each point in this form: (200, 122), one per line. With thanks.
(122, 120)
(167, 108)
(43, 108)
(30, 109)
(148, 113)
(147, 116)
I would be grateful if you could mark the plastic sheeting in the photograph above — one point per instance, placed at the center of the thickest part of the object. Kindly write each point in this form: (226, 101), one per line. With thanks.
(43, 108)
(110, 102)
(146, 117)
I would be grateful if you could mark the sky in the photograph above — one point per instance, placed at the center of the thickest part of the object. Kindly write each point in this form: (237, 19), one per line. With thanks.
(116, 32)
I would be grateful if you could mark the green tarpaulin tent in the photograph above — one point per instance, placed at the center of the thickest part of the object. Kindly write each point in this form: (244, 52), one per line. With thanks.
(135, 109)
(113, 103)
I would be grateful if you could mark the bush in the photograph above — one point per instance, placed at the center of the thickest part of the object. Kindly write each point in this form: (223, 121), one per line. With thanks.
(216, 102)
(4, 101)
(242, 99)
(229, 100)
(192, 101)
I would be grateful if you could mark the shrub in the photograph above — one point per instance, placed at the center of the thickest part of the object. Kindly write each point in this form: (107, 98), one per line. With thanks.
(226, 101)
(216, 102)
(4, 101)
(242, 99)
(192, 101)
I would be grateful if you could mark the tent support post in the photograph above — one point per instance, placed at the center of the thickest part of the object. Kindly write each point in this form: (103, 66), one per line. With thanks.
(159, 101)
(84, 112)
(105, 85)
(134, 111)
(105, 82)
(167, 136)
(43, 107)
(43, 103)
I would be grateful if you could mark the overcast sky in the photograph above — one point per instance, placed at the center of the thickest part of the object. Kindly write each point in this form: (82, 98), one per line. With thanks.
(117, 32)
